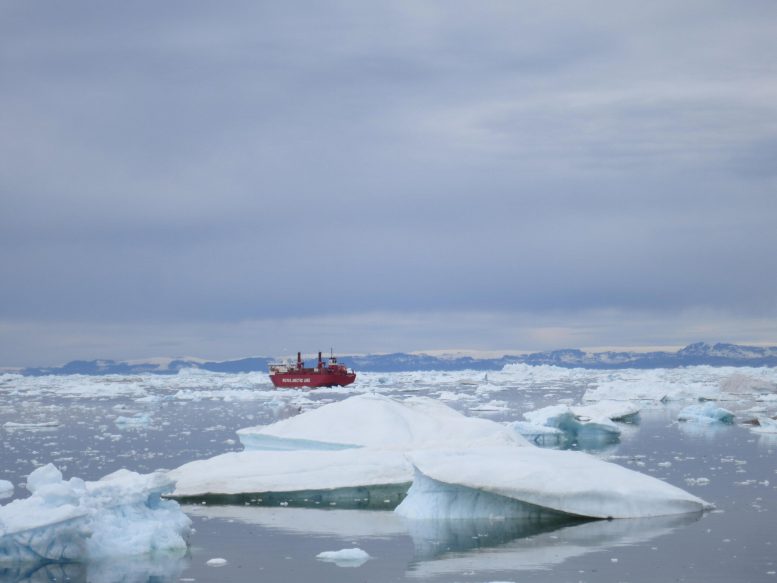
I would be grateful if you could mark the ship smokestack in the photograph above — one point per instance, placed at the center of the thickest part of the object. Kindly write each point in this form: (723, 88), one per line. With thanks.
(320, 362)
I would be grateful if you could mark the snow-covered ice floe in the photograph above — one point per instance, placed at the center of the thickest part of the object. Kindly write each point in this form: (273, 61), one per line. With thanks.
(377, 421)
(350, 453)
(705, 413)
(460, 467)
(533, 483)
(120, 515)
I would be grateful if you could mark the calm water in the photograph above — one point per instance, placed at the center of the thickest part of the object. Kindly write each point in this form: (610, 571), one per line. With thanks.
(735, 543)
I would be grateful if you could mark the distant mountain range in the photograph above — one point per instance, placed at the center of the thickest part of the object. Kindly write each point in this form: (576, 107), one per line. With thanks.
(693, 354)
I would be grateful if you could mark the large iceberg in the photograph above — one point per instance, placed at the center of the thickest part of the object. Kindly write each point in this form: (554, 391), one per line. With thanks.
(535, 483)
(377, 421)
(122, 514)
(351, 453)
(365, 451)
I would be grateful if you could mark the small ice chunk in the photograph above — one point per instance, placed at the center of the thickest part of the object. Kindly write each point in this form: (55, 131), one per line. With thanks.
(139, 420)
(765, 425)
(575, 425)
(706, 413)
(345, 557)
(216, 562)
(43, 476)
(6, 489)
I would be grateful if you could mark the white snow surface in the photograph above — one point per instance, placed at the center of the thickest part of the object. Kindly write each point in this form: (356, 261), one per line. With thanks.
(360, 441)
(6, 489)
(562, 481)
(378, 421)
(290, 471)
(613, 410)
(120, 515)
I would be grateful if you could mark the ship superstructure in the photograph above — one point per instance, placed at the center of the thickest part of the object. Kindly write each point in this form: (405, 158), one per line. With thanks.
(325, 374)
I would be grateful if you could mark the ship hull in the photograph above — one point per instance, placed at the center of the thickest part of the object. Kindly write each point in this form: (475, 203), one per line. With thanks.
(298, 379)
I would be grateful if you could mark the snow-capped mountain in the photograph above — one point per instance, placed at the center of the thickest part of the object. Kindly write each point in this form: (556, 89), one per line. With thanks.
(699, 353)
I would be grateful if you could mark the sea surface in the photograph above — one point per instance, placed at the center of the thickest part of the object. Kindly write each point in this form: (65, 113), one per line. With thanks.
(91, 426)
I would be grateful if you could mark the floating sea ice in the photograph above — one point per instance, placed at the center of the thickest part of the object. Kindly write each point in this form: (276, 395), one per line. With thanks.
(32, 425)
(6, 489)
(452, 396)
(744, 384)
(216, 562)
(536, 484)
(120, 515)
(139, 420)
(576, 427)
(623, 411)
(765, 425)
(706, 413)
(345, 557)
(656, 385)
(491, 406)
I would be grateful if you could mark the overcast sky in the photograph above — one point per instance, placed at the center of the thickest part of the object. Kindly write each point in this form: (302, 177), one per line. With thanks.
(244, 178)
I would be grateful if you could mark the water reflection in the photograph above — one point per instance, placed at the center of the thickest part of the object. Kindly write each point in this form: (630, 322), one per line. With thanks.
(139, 569)
(502, 546)
(447, 547)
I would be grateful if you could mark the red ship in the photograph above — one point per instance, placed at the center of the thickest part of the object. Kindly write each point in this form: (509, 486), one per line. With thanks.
(331, 374)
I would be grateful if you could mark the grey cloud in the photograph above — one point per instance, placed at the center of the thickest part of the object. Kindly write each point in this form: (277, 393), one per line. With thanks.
(186, 162)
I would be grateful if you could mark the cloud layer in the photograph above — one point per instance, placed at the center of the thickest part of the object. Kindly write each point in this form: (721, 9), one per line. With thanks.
(188, 165)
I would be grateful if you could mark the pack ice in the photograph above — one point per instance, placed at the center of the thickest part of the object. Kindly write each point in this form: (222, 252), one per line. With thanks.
(459, 466)
(120, 515)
